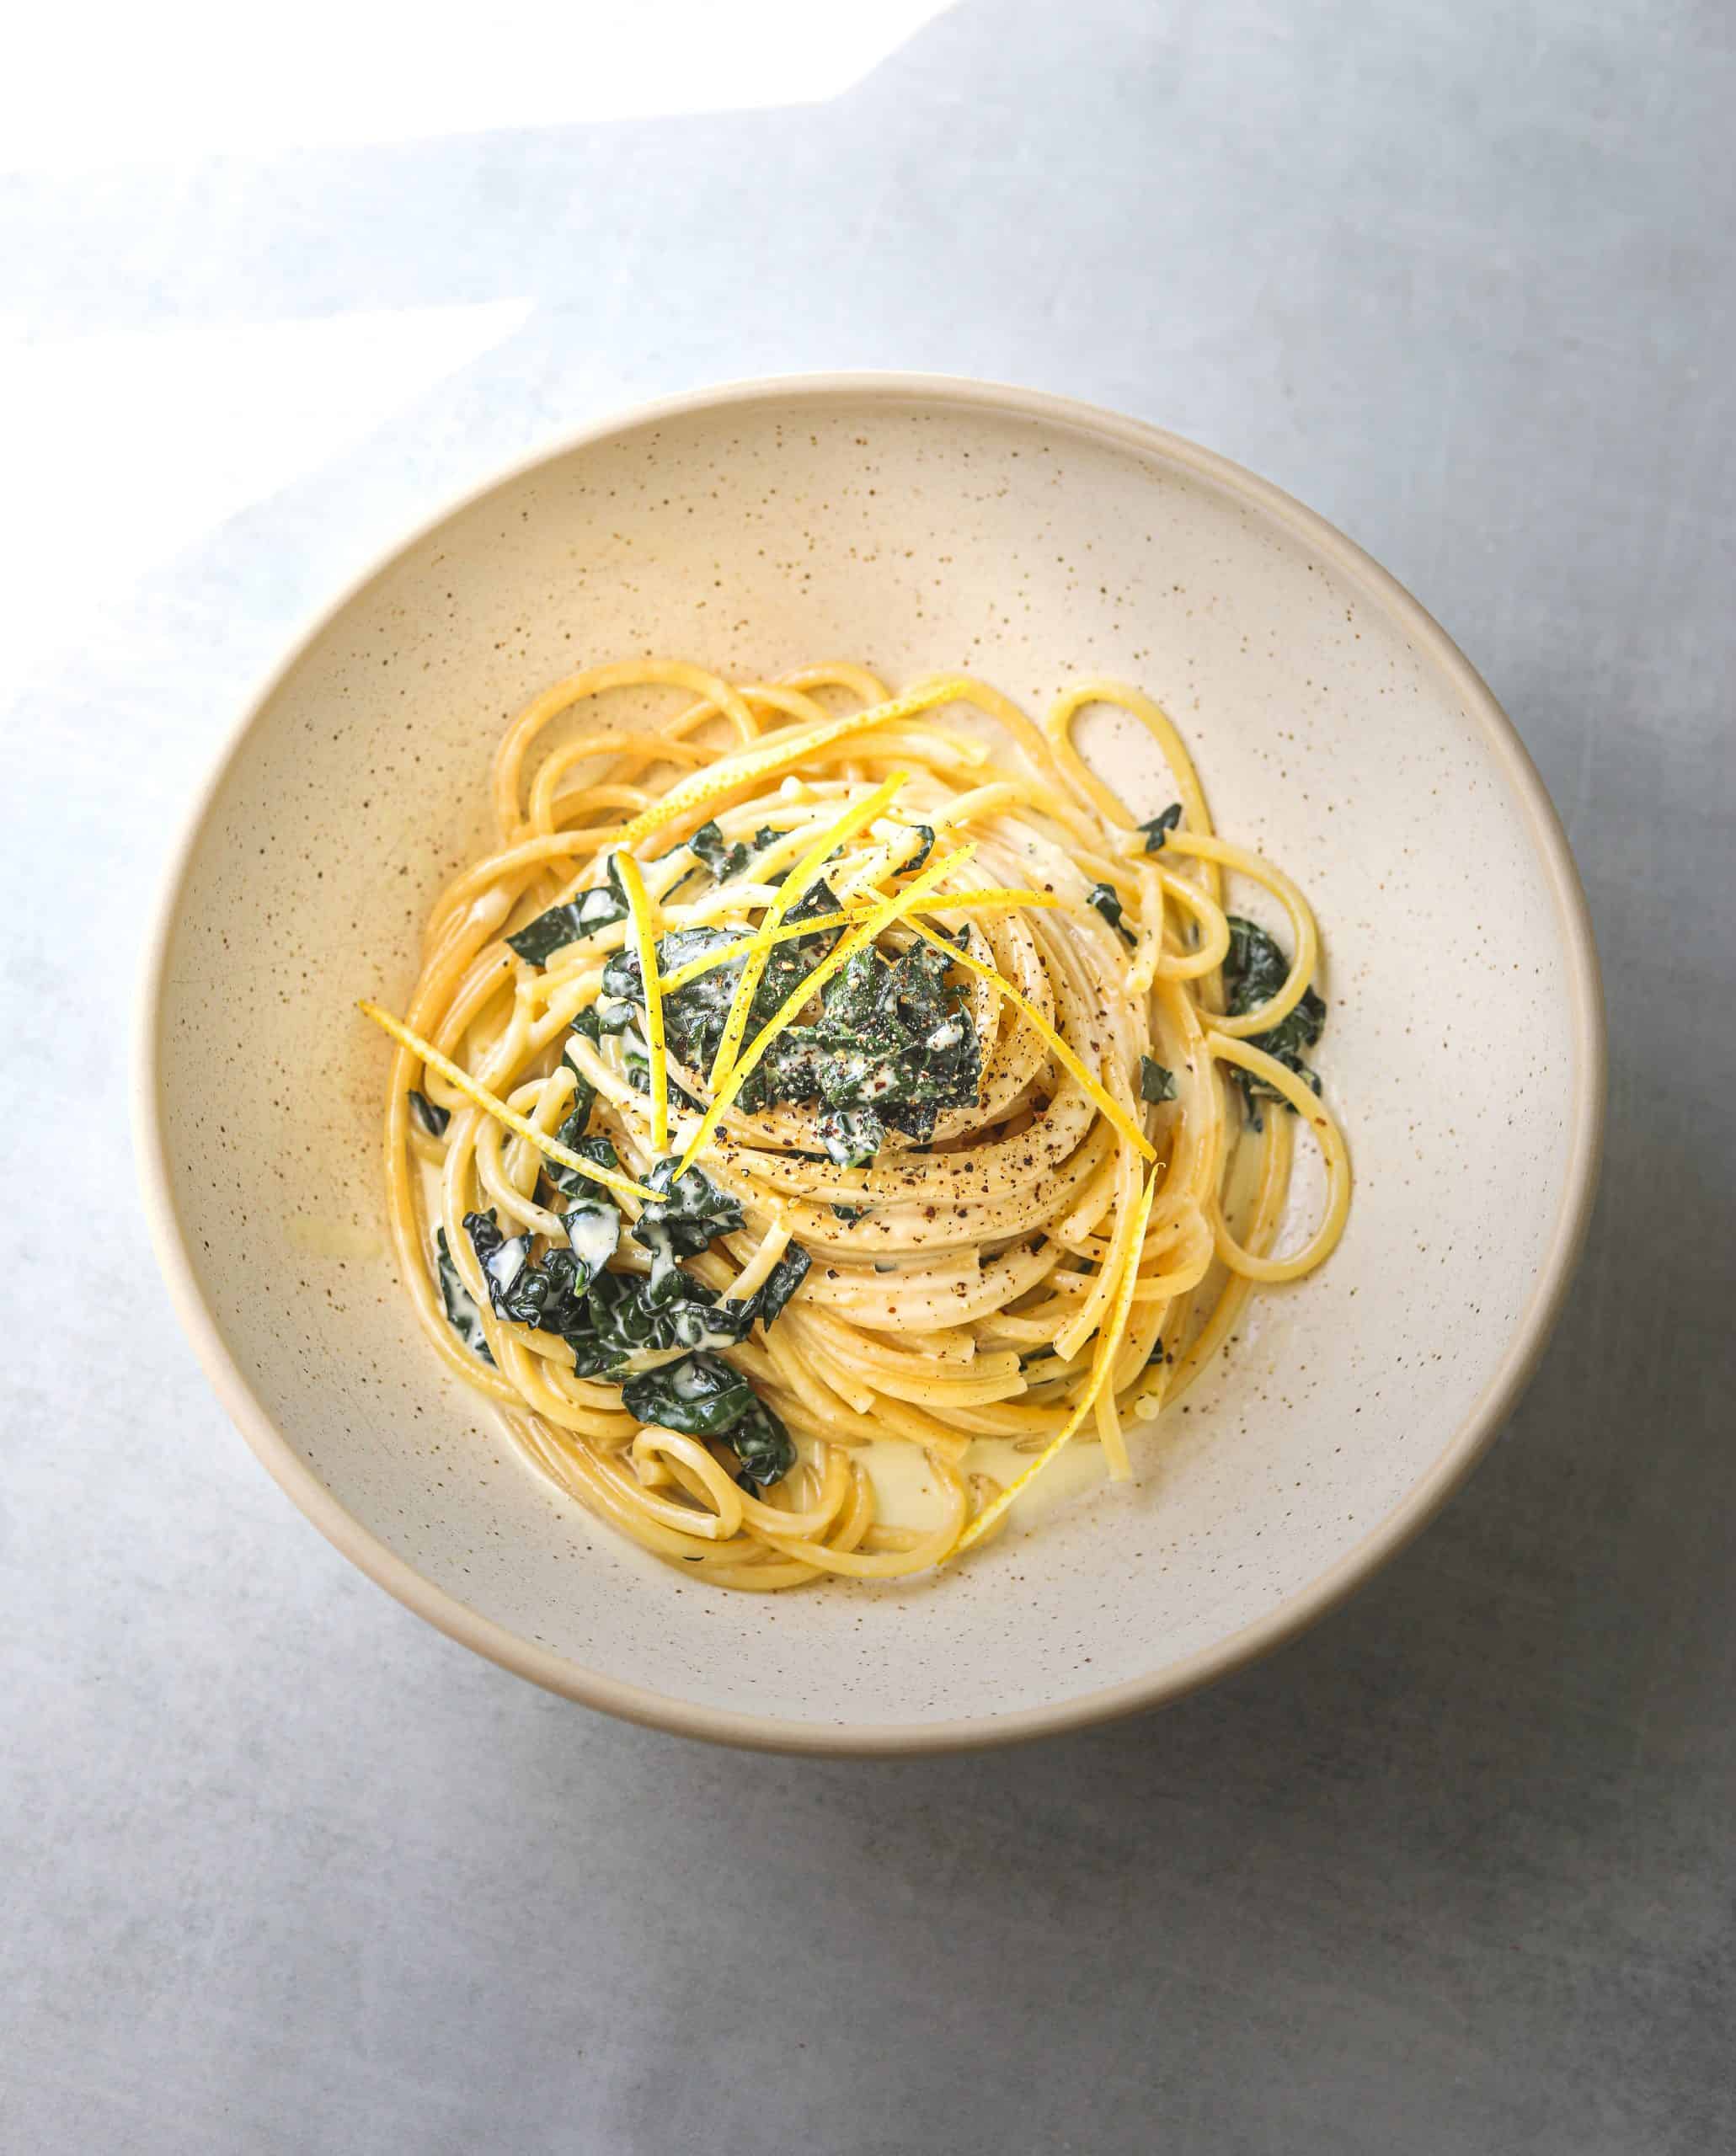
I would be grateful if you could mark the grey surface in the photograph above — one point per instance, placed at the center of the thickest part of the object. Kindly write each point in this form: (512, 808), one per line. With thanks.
(285, 1871)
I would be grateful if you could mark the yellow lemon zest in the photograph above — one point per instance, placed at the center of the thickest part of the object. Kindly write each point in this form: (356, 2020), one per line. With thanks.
(730, 773)
(551, 1147)
(1108, 1340)
(991, 901)
(644, 936)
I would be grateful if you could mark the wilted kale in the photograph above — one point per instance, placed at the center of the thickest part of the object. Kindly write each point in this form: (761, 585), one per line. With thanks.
(617, 1323)
(434, 1120)
(701, 1395)
(1158, 827)
(695, 1015)
(709, 846)
(1255, 969)
(764, 1448)
(850, 1215)
(1156, 1083)
(538, 940)
(780, 1283)
(690, 1212)
(461, 1312)
(851, 1136)
(549, 1292)
(892, 1048)
(1107, 900)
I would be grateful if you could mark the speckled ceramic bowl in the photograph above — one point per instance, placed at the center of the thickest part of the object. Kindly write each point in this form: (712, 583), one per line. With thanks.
(919, 524)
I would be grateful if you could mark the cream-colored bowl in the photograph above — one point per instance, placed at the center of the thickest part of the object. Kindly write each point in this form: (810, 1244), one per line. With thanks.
(919, 524)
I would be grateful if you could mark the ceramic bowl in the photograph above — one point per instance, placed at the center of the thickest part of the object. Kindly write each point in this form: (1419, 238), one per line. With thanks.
(918, 523)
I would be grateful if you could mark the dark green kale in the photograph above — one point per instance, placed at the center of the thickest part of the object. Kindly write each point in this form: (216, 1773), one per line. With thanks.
(568, 1181)
(851, 1136)
(461, 1312)
(1105, 898)
(1158, 827)
(710, 846)
(780, 1283)
(764, 1449)
(850, 1215)
(701, 1395)
(538, 940)
(696, 1014)
(547, 1293)
(1156, 1083)
(592, 1223)
(1255, 969)
(618, 1323)
(693, 1016)
(434, 1120)
(894, 1046)
(690, 1212)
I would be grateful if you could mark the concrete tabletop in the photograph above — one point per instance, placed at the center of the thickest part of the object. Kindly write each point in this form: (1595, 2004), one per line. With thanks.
(286, 1871)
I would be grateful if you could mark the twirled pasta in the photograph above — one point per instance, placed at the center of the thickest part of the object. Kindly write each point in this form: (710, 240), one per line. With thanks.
(1057, 1254)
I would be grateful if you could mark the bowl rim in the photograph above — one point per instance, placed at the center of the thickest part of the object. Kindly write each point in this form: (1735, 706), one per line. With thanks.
(1264, 1635)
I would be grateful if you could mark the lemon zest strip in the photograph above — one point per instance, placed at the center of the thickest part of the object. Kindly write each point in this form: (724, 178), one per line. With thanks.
(777, 753)
(990, 901)
(1108, 1340)
(644, 936)
(551, 1147)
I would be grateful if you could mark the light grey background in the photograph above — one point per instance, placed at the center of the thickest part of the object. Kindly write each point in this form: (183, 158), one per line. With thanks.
(285, 1871)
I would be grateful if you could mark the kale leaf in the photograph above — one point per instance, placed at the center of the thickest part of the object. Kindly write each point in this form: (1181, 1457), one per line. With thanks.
(538, 940)
(1105, 898)
(1156, 1083)
(701, 1395)
(619, 1323)
(764, 1448)
(892, 1048)
(780, 1283)
(710, 846)
(593, 1228)
(461, 1312)
(547, 1293)
(568, 1181)
(851, 1136)
(434, 1120)
(691, 1211)
(850, 1215)
(695, 1015)
(1158, 827)
(1255, 969)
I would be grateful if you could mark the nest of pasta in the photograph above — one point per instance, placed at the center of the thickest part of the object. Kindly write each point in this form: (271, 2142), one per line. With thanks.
(812, 1069)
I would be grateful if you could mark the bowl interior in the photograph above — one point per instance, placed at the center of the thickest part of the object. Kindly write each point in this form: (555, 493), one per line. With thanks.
(918, 528)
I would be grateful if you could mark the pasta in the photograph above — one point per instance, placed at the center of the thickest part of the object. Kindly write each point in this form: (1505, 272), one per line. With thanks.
(815, 1074)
